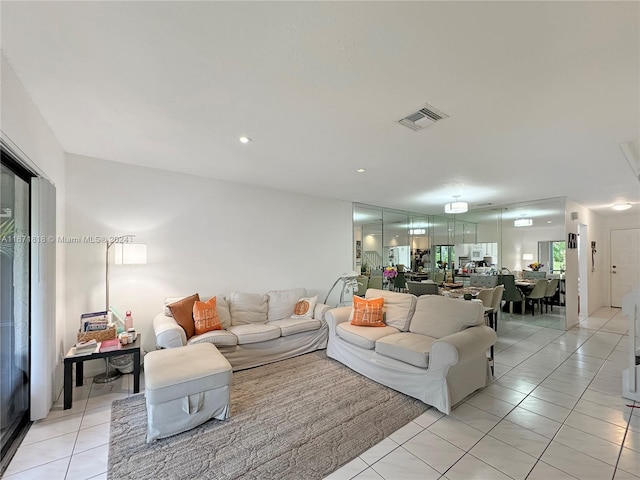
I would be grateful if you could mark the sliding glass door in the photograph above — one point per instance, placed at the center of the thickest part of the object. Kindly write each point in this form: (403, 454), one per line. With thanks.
(14, 303)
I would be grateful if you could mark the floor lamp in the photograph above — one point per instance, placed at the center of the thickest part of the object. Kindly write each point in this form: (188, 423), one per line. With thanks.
(126, 253)
(348, 280)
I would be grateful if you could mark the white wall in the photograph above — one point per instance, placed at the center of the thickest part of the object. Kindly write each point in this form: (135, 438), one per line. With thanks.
(23, 127)
(516, 241)
(202, 235)
(595, 279)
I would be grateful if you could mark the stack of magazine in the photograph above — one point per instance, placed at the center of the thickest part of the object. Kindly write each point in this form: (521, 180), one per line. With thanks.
(94, 321)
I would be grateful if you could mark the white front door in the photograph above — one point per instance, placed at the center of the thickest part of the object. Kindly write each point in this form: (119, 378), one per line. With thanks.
(625, 263)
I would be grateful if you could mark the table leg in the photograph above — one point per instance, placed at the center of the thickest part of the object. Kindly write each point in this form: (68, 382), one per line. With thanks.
(79, 373)
(136, 371)
(68, 388)
(493, 361)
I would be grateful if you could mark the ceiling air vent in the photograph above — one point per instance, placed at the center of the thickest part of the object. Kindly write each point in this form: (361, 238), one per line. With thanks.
(423, 118)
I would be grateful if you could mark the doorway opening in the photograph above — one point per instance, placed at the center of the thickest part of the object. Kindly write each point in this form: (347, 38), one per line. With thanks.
(15, 315)
(583, 275)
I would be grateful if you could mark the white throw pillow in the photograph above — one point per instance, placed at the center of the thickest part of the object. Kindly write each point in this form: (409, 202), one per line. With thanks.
(304, 307)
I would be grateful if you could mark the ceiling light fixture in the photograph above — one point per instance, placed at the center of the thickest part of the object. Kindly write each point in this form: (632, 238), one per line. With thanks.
(417, 231)
(522, 222)
(361, 170)
(622, 206)
(456, 207)
(244, 139)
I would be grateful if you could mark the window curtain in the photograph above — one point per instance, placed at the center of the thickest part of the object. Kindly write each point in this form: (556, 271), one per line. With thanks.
(43, 296)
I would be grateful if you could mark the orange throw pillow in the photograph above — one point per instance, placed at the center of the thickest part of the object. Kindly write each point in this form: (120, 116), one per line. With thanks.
(205, 316)
(182, 312)
(367, 313)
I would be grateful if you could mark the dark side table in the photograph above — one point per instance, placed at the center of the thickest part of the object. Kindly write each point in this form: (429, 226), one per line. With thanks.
(131, 348)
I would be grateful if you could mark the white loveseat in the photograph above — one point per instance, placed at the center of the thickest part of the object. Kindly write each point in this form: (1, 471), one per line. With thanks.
(432, 348)
(257, 328)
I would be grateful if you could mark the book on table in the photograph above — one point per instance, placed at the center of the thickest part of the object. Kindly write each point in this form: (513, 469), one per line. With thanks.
(86, 346)
(76, 351)
(110, 345)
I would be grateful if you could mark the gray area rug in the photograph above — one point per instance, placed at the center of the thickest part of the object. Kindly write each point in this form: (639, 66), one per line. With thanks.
(301, 418)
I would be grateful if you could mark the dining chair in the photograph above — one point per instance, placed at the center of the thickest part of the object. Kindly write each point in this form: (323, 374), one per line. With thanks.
(496, 304)
(537, 295)
(512, 293)
(550, 293)
(486, 295)
(375, 282)
(400, 282)
(363, 283)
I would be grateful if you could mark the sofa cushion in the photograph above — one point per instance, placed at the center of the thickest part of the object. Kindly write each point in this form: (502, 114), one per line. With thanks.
(291, 326)
(205, 316)
(255, 332)
(305, 307)
(221, 305)
(438, 316)
(407, 347)
(248, 308)
(182, 312)
(364, 337)
(283, 302)
(217, 337)
(367, 313)
(398, 307)
(224, 315)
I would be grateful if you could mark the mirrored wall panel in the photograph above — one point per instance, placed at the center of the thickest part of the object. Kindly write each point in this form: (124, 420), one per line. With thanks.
(525, 241)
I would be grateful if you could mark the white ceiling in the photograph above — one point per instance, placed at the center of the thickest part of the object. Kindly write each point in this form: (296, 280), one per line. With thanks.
(540, 94)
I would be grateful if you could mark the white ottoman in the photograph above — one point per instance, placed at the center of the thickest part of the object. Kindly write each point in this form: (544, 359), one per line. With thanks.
(185, 387)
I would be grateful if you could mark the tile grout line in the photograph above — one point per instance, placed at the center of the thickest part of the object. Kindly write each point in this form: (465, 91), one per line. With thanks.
(529, 394)
(504, 417)
(615, 467)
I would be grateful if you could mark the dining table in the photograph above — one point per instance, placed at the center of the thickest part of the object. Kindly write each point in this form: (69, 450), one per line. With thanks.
(526, 285)
(417, 276)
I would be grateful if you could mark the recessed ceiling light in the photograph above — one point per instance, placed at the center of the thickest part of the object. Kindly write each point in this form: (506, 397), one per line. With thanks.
(244, 139)
(622, 206)
(361, 170)
(549, 221)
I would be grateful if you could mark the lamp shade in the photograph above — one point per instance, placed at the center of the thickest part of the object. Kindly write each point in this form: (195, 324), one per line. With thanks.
(130, 253)
(456, 207)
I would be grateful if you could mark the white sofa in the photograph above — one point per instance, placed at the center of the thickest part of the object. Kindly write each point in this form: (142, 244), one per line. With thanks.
(257, 328)
(432, 348)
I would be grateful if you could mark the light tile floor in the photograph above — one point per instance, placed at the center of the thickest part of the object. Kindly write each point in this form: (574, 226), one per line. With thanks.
(554, 412)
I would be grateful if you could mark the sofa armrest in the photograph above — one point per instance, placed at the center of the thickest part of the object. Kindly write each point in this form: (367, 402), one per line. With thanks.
(320, 310)
(334, 316)
(446, 352)
(168, 333)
